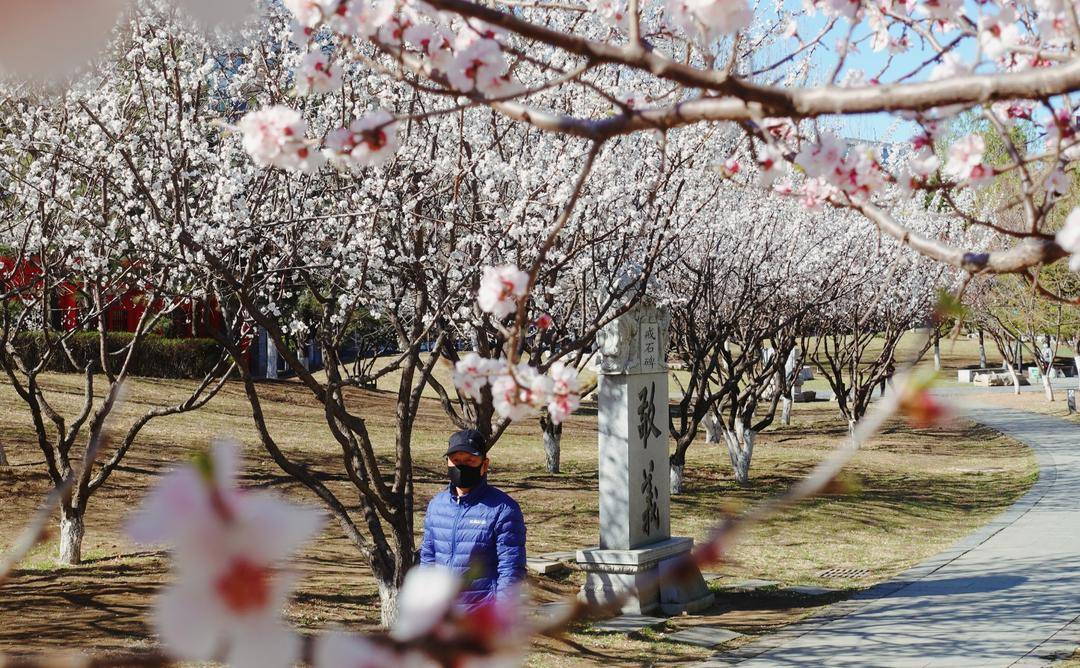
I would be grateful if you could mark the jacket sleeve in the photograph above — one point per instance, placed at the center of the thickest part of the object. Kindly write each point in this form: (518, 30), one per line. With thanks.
(510, 546)
(427, 543)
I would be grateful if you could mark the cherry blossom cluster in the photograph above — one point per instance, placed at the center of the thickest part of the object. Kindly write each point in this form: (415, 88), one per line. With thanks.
(501, 288)
(229, 547)
(519, 391)
(276, 137)
(705, 21)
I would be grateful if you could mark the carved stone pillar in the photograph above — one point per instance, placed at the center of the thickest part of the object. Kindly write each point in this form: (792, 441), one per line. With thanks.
(635, 507)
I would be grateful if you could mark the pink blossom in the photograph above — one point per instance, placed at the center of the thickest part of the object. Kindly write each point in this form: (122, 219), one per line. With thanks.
(500, 290)
(432, 41)
(1068, 237)
(392, 31)
(848, 9)
(340, 650)
(228, 545)
(1010, 110)
(368, 141)
(544, 321)
(479, 60)
(494, 86)
(476, 29)
(965, 158)
(311, 12)
(315, 74)
(708, 20)
(424, 601)
(1058, 182)
(770, 165)
(999, 34)
(614, 13)
(923, 161)
(471, 373)
(1061, 135)
(361, 18)
(274, 137)
(823, 157)
(565, 397)
(519, 393)
(814, 193)
(946, 11)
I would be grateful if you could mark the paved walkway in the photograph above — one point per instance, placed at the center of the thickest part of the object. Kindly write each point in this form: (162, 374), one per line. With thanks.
(1007, 595)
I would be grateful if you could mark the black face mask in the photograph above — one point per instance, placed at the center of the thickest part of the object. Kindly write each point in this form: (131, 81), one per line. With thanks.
(465, 477)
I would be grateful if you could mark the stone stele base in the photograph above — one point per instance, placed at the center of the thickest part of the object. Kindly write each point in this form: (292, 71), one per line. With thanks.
(611, 573)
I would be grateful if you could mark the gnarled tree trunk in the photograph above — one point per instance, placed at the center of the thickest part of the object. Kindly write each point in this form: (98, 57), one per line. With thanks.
(1048, 388)
(677, 478)
(740, 445)
(3, 456)
(712, 428)
(388, 600)
(1014, 376)
(72, 530)
(552, 435)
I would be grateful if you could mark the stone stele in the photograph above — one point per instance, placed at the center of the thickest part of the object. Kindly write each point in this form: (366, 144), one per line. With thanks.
(636, 546)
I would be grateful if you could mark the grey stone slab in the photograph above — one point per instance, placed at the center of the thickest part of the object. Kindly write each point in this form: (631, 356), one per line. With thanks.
(811, 591)
(544, 567)
(711, 577)
(559, 556)
(749, 585)
(719, 661)
(628, 623)
(649, 554)
(703, 636)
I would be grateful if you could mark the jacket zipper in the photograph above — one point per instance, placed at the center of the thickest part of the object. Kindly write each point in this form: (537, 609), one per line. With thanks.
(453, 535)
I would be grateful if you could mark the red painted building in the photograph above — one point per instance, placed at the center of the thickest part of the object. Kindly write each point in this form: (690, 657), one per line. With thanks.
(67, 301)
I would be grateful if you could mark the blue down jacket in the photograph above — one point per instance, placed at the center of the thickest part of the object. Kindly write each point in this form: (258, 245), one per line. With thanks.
(484, 528)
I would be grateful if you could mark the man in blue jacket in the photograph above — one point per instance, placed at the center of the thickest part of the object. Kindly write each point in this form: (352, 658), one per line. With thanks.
(473, 527)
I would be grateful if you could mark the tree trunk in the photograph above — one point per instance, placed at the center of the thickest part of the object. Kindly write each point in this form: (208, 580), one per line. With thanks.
(1015, 378)
(982, 351)
(677, 478)
(740, 445)
(851, 426)
(388, 599)
(937, 351)
(3, 456)
(785, 411)
(1048, 388)
(71, 536)
(1076, 363)
(712, 428)
(552, 435)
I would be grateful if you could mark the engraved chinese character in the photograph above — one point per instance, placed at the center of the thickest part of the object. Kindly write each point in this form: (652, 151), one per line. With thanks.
(647, 415)
(651, 514)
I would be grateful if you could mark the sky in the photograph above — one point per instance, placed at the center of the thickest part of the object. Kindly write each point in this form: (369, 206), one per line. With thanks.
(878, 127)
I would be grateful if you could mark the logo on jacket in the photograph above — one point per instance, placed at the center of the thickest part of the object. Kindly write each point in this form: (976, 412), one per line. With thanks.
(477, 522)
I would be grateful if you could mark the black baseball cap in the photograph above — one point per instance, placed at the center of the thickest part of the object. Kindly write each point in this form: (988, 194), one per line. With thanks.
(466, 440)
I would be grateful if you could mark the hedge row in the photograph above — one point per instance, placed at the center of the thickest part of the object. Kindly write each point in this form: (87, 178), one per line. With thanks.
(155, 356)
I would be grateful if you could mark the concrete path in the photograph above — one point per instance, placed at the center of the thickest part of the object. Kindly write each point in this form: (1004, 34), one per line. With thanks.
(1007, 595)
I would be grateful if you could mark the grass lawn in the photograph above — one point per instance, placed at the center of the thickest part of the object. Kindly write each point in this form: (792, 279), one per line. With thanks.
(915, 492)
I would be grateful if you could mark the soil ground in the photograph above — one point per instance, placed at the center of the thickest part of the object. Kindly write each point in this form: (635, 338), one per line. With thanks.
(912, 493)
